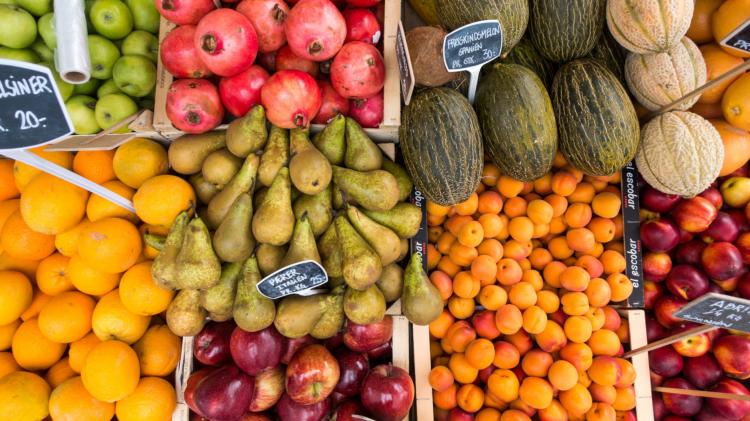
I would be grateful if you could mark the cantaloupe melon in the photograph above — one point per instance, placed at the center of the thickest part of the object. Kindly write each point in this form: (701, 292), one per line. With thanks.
(649, 26)
(659, 79)
(680, 153)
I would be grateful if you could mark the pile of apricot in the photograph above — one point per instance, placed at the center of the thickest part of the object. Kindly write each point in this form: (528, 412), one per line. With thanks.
(528, 272)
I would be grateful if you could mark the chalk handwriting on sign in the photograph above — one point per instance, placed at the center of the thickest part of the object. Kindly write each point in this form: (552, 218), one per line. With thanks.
(32, 111)
(631, 210)
(739, 39)
(718, 310)
(293, 279)
(406, 70)
(470, 47)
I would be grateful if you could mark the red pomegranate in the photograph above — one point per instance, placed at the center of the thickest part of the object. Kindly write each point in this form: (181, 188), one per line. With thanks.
(267, 17)
(315, 29)
(179, 55)
(267, 61)
(287, 60)
(362, 25)
(367, 112)
(226, 42)
(363, 3)
(193, 105)
(291, 99)
(358, 70)
(333, 103)
(241, 92)
(184, 12)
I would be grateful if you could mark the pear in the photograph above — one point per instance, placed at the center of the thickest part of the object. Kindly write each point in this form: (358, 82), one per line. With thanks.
(420, 301)
(203, 189)
(361, 265)
(391, 282)
(247, 134)
(220, 166)
(338, 198)
(318, 209)
(219, 299)
(187, 153)
(233, 240)
(258, 197)
(275, 156)
(185, 316)
(252, 311)
(296, 316)
(309, 169)
(220, 317)
(404, 219)
(302, 247)
(333, 317)
(242, 182)
(330, 251)
(273, 222)
(364, 307)
(405, 185)
(331, 141)
(384, 241)
(373, 190)
(164, 268)
(362, 154)
(404, 249)
(269, 258)
(197, 264)
(154, 241)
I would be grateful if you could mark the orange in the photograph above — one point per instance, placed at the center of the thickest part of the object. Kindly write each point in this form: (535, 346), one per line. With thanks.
(67, 242)
(111, 371)
(37, 302)
(59, 373)
(111, 320)
(7, 208)
(51, 205)
(80, 349)
(8, 364)
(736, 146)
(700, 30)
(138, 160)
(149, 200)
(99, 208)
(23, 396)
(158, 351)
(111, 245)
(66, 317)
(6, 334)
(154, 399)
(32, 350)
(15, 295)
(8, 189)
(140, 294)
(730, 15)
(536, 392)
(25, 266)
(21, 242)
(70, 401)
(95, 165)
(89, 280)
(51, 275)
(23, 173)
(735, 104)
(718, 62)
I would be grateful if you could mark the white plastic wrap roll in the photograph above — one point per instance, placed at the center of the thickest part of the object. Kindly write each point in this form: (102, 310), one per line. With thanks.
(72, 53)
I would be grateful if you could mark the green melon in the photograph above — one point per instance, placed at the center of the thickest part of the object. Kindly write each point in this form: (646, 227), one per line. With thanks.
(610, 54)
(563, 30)
(526, 55)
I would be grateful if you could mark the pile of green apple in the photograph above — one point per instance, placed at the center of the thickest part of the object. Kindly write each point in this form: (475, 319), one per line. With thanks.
(123, 47)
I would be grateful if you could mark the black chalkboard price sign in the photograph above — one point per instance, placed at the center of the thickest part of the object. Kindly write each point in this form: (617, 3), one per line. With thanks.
(293, 279)
(32, 111)
(631, 217)
(470, 47)
(722, 311)
(739, 39)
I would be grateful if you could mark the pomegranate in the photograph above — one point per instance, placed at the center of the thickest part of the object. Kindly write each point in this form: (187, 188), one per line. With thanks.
(226, 42)
(184, 12)
(367, 112)
(362, 25)
(315, 29)
(193, 105)
(178, 54)
(363, 3)
(291, 98)
(333, 103)
(241, 92)
(358, 70)
(267, 17)
(267, 61)
(287, 60)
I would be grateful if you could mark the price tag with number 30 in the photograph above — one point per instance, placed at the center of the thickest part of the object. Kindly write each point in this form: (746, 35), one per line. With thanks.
(470, 47)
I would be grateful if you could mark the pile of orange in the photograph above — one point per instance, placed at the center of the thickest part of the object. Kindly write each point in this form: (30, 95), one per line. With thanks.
(81, 336)
(528, 272)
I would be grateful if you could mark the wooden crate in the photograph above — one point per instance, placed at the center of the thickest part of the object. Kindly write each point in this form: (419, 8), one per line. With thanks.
(388, 130)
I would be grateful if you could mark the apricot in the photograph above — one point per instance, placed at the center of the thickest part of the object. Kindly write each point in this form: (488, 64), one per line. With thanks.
(462, 371)
(440, 326)
(440, 378)
(606, 204)
(536, 363)
(540, 211)
(461, 308)
(462, 255)
(605, 394)
(484, 269)
(575, 278)
(548, 301)
(506, 355)
(445, 399)
(584, 193)
(554, 412)
(521, 228)
(480, 353)
(578, 354)
(484, 324)
(596, 317)
(521, 340)
(578, 215)
(534, 278)
(459, 336)
(514, 415)
(627, 373)
(604, 229)
(563, 375)
(522, 295)
(552, 338)
(612, 320)
(552, 273)
(539, 258)
(468, 206)
(504, 385)
(470, 398)
(625, 400)
(493, 402)
(515, 206)
(509, 187)
(557, 225)
(563, 183)
(536, 392)
(490, 202)
(490, 174)
(613, 262)
(491, 247)
(598, 292)
(604, 342)
(576, 400)
(620, 285)
(574, 303)
(580, 239)
(601, 412)
(522, 406)
(623, 332)
(604, 371)
(584, 379)
(543, 185)
(559, 248)
(509, 272)
(592, 265)
(488, 414)
(517, 250)
(492, 297)
(508, 319)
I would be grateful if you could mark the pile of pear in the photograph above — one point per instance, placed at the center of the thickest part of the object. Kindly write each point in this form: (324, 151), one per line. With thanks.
(271, 197)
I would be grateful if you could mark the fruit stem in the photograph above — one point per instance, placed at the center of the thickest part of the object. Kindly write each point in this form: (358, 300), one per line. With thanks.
(208, 43)
(193, 118)
(315, 48)
(278, 14)
(300, 120)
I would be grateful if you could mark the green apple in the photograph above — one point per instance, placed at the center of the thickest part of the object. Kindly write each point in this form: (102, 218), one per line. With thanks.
(47, 30)
(88, 88)
(103, 54)
(65, 88)
(145, 16)
(41, 48)
(146, 102)
(108, 87)
(13, 2)
(87, 4)
(18, 27)
(111, 18)
(36, 7)
(81, 111)
(113, 108)
(135, 75)
(141, 43)
(19, 54)
(736, 191)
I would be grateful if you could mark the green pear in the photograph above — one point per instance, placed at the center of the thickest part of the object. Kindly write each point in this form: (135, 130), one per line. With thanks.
(274, 220)
(373, 190)
(420, 301)
(203, 189)
(318, 209)
(330, 251)
(187, 153)
(197, 264)
(252, 311)
(302, 246)
(404, 219)
(391, 282)
(221, 166)
(269, 258)
(164, 269)
(309, 169)
(362, 154)
(296, 316)
(219, 299)
(383, 240)
(247, 134)
(233, 240)
(185, 316)
(275, 156)
(364, 307)
(242, 182)
(331, 141)
(361, 265)
(405, 185)
(333, 316)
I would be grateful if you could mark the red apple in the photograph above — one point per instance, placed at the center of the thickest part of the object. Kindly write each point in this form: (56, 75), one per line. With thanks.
(665, 308)
(312, 375)
(254, 352)
(654, 329)
(743, 245)
(681, 405)
(740, 219)
(694, 346)
(687, 282)
(722, 261)
(363, 338)
(713, 195)
(224, 394)
(346, 409)
(389, 392)
(657, 201)
(289, 410)
(732, 351)
(211, 345)
(660, 235)
(458, 414)
(660, 411)
(685, 236)
(291, 346)
(742, 171)
(695, 214)
(269, 386)
(353, 367)
(707, 414)
(702, 371)
(656, 380)
(656, 266)
(665, 361)
(690, 252)
(722, 229)
(652, 291)
(384, 351)
(730, 409)
(192, 383)
(335, 341)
